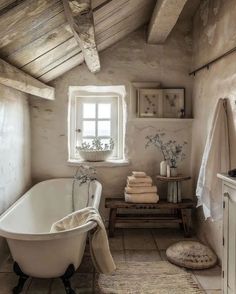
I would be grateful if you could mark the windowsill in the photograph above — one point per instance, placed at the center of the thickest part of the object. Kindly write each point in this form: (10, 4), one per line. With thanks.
(158, 119)
(108, 163)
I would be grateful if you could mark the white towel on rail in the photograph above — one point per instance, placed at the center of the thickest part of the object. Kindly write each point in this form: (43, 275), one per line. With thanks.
(99, 246)
(216, 159)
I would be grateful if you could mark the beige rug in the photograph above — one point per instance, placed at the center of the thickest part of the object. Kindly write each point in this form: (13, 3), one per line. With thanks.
(147, 278)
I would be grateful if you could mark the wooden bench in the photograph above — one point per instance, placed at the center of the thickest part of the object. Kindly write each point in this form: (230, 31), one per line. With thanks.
(181, 213)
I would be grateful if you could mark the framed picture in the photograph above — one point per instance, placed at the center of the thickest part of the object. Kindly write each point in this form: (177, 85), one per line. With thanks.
(150, 103)
(134, 94)
(174, 103)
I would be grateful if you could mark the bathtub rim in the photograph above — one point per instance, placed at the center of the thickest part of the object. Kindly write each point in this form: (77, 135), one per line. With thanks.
(53, 235)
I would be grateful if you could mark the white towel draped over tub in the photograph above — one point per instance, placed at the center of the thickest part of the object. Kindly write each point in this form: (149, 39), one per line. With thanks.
(99, 245)
(216, 159)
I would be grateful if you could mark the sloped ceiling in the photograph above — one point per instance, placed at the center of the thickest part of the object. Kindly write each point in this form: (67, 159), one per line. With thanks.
(36, 37)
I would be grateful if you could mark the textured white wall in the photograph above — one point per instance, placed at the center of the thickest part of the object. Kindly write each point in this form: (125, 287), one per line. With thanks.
(132, 59)
(214, 34)
(15, 163)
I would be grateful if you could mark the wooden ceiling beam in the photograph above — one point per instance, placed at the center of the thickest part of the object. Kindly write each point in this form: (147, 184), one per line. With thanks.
(164, 18)
(15, 78)
(109, 36)
(80, 17)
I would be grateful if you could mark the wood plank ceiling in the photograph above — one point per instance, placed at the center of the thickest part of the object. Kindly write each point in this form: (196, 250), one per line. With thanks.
(36, 37)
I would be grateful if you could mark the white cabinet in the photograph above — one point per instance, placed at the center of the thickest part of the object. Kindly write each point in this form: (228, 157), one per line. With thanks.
(229, 234)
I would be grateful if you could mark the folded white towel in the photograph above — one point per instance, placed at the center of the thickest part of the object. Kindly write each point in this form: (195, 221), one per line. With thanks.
(139, 184)
(140, 190)
(139, 174)
(99, 245)
(142, 198)
(134, 180)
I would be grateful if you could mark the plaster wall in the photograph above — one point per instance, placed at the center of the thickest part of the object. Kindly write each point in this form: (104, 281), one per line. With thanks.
(15, 163)
(132, 59)
(214, 34)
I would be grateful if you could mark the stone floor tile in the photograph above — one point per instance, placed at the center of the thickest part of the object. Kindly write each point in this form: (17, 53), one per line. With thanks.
(142, 255)
(39, 286)
(81, 283)
(164, 243)
(7, 266)
(116, 242)
(118, 255)
(8, 281)
(165, 232)
(209, 279)
(139, 239)
(213, 291)
(166, 237)
(57, 287)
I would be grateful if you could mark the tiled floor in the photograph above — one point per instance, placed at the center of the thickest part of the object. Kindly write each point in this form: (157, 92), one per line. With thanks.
(128, 245)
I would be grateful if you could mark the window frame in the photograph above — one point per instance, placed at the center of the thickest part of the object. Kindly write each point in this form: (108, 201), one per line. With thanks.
(100, 99)
(74, 112)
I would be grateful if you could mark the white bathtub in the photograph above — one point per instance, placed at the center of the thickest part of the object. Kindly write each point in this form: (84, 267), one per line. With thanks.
(26, 226)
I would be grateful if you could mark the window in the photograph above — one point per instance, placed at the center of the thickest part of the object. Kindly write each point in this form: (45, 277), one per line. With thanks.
(96, 112)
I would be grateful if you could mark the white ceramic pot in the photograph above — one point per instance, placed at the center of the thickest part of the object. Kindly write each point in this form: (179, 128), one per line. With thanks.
(91, 155)
(173, 172)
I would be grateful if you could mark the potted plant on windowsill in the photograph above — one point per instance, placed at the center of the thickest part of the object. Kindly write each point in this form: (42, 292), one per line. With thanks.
(96, 151)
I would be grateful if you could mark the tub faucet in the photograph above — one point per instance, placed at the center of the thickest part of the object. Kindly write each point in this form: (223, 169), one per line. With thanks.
(85, 174)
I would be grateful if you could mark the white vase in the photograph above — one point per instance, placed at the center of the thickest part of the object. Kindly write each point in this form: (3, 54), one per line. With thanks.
(168, 171)
(163, 168)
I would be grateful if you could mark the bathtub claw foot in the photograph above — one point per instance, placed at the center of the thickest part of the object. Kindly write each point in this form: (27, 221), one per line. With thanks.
(22, 279)
(66, 279)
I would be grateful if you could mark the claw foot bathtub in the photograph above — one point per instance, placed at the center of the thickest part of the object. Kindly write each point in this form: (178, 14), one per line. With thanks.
(26, 226)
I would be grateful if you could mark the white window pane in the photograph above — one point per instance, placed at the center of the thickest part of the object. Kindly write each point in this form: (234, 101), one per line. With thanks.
(104, 128)
(104, 110)
(89, 110)
(89, 128)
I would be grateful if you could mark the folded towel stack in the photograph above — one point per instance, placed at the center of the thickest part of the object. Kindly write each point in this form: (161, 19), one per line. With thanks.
(139, 189)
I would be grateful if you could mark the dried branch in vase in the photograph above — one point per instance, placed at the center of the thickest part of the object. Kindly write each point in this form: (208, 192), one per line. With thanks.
(172, 151)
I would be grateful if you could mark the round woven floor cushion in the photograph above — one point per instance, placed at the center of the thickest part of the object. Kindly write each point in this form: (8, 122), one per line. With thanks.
(191, 254)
